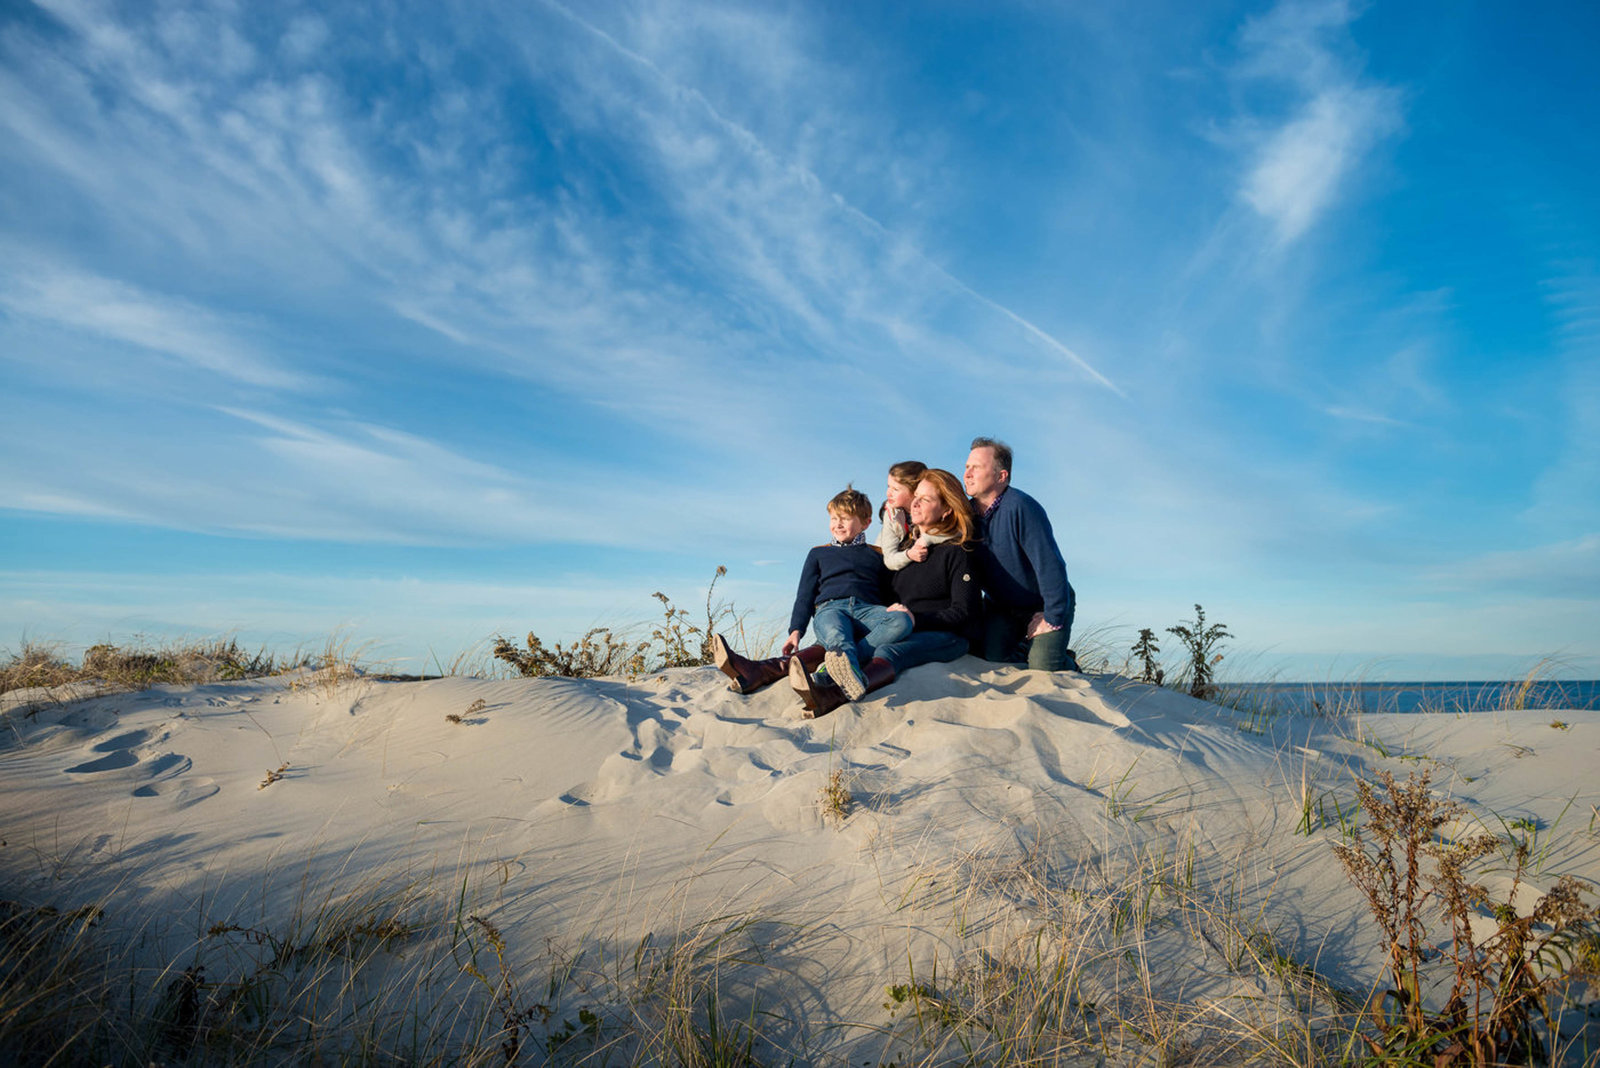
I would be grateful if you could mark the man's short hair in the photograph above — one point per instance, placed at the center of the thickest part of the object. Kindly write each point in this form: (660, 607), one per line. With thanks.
(851, 501)
(1002, 451)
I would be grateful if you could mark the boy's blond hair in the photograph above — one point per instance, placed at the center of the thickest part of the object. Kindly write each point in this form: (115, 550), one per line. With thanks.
(851, 501)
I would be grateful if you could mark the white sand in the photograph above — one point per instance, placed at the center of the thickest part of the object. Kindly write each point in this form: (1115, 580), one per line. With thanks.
(580, 816)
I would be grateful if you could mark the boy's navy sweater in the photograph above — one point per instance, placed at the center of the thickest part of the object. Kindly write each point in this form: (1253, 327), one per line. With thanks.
(1021, 565)
(834, 571)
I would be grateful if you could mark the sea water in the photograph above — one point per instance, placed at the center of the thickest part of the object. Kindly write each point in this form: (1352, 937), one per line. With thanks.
(1339, 697)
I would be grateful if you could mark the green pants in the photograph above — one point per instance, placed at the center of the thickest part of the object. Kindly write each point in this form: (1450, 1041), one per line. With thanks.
(1004, 643)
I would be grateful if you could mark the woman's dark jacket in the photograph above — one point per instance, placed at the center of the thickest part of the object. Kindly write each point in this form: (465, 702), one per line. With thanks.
(942, 592)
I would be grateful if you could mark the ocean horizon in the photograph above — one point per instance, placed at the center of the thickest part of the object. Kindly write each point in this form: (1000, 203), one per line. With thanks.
(1465, 696)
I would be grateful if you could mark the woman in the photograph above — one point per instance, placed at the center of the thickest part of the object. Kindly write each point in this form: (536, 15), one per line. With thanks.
(939, 592)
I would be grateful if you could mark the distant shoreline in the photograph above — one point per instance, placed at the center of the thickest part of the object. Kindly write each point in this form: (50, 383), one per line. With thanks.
(1466, 696)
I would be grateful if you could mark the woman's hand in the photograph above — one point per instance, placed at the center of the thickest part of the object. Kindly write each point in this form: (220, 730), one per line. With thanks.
(898, 607)
(792, 644)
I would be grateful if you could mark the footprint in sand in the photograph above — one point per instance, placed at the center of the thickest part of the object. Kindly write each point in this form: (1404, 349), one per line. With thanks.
(121, 754)
(579, 796)
(122, 758)
(123, 741)
(165, 767)
(118, 754)
(182, 792)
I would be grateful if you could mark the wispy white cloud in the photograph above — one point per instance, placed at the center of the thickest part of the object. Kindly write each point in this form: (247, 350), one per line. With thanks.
(334, 479)
(1567, 491)
(1567, 570)
(1298, 166)
(846, 277)
(753, 289)
(123, 313)
(1356, 415)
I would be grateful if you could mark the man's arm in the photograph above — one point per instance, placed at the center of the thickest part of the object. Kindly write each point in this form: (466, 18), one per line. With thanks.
(1038, 542)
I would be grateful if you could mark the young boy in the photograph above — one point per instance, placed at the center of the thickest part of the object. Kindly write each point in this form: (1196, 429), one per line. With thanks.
(843, 589)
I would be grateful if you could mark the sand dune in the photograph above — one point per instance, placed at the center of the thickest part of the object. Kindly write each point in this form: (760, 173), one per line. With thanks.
(585, 819)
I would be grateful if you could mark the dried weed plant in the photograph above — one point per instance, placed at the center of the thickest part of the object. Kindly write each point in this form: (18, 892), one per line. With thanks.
(1503, 984)
(675, 641)
(599, 652)
(836, 801)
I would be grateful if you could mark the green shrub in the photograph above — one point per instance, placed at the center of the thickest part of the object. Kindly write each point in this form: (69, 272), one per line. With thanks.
(1201, 641)
(1147, 650)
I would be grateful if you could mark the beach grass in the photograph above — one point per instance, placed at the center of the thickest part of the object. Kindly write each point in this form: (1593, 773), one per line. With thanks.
(139, 663)
(1119, 950)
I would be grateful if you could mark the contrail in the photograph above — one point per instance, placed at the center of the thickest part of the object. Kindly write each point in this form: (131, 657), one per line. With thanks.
(809, 179)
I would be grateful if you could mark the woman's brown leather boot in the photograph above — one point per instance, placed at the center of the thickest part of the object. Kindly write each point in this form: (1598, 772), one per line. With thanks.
(748, 676)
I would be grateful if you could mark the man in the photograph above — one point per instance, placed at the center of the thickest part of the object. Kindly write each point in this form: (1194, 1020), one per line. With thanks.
(1028, 602)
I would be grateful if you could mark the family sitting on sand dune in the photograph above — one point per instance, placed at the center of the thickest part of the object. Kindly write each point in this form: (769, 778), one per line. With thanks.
(961, 565)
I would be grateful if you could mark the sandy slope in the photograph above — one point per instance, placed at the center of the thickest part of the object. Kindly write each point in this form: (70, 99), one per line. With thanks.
(593, 812)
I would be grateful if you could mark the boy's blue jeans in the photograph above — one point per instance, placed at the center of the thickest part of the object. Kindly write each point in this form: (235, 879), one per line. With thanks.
(857, 628)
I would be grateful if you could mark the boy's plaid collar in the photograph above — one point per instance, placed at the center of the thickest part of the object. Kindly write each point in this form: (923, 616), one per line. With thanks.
(859, 539)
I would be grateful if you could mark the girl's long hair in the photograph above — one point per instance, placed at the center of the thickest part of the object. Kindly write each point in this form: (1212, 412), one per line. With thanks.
(959, 524)
(908, 473)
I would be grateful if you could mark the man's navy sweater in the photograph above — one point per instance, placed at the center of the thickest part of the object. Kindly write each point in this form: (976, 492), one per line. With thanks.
(1022, 568)
(834, 571)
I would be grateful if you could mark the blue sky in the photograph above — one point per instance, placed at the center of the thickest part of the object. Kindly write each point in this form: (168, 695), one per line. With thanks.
(437, 320)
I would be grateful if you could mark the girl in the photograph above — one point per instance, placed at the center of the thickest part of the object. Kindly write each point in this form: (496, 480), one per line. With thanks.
(895, 516)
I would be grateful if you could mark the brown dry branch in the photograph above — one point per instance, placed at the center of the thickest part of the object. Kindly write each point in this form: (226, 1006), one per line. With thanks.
(675, 641)
(1501, 987)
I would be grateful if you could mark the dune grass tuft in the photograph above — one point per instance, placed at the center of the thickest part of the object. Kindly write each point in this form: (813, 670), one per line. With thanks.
(36, 665)
(139, 665)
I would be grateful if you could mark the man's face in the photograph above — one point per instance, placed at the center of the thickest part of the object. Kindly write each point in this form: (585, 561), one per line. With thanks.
(983, 477)
(845, 527)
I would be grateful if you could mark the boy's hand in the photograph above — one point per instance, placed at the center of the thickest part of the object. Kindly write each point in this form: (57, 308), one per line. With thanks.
(1037, 626)
(792, 644)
